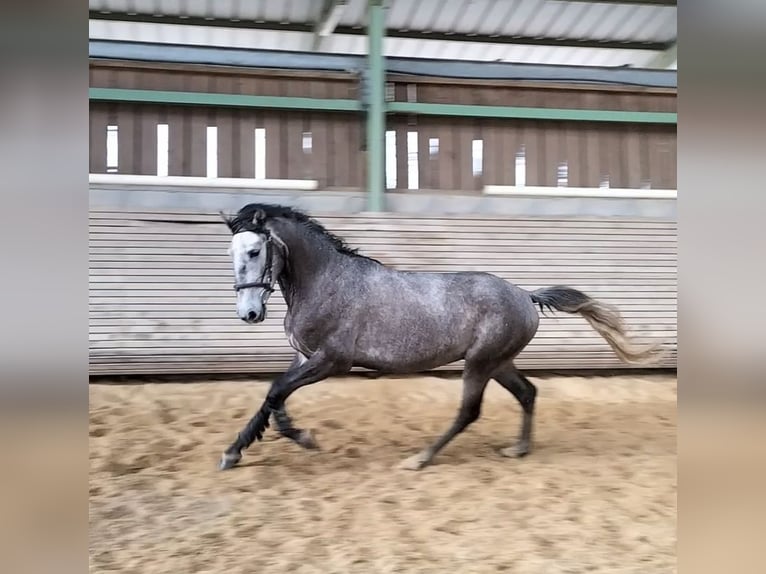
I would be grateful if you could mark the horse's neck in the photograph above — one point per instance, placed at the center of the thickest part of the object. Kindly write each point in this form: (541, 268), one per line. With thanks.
(308, 256)
(287, 286)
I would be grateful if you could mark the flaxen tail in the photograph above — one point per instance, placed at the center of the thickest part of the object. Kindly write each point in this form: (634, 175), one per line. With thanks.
(604, 318)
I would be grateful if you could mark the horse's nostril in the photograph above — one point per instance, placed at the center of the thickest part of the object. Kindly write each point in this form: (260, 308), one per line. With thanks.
(251, 316)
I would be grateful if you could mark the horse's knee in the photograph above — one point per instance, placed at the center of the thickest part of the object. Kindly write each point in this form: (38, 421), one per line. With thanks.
(528, 399)
(470, 413)
(275, 398)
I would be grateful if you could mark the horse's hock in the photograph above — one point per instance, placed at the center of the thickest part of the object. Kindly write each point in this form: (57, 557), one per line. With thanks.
(161, 298)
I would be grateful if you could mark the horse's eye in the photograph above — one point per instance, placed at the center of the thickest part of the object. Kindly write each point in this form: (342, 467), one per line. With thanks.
(253, 253)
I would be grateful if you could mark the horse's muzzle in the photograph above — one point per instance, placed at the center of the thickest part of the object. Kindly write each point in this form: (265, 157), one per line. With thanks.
(253, 317)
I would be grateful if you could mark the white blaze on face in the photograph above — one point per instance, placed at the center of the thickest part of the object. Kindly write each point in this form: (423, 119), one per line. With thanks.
(248, 256)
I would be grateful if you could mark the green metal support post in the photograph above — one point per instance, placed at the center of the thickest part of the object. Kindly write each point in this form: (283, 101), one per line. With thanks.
(376, 113)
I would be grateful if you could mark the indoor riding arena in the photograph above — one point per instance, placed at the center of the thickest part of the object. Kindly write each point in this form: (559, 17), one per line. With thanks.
(531, 139)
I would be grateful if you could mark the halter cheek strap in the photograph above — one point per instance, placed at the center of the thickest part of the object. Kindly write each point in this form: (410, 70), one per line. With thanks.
(266, 283)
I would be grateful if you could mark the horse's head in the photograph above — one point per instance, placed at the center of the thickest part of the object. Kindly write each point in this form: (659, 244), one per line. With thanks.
(256, 264)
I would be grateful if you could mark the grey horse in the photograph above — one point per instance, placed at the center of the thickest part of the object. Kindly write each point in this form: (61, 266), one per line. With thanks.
(346, 310)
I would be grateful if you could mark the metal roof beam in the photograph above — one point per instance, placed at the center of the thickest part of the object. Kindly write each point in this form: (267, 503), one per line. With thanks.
(341, 105)
(390, 33)
(526, 40)
(328, 19)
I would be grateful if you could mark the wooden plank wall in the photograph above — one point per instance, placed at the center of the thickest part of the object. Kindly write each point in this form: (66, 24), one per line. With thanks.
(627, 155)
(631, 157)
(334, 159)
(161, 298)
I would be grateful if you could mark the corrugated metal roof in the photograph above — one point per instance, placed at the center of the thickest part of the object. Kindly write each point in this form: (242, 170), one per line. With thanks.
(570, 32)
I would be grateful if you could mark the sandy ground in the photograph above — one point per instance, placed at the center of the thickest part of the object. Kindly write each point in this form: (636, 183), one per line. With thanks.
(597, 494)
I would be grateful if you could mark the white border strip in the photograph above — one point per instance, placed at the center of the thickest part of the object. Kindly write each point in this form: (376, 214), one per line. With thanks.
(605, 193)
(217, 182)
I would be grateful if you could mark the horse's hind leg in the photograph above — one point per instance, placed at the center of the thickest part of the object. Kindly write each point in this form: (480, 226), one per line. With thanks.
(474, 383)
(525, 392)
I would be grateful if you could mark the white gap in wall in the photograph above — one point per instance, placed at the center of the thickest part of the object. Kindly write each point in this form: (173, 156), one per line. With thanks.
(112, 149)
(390, 159)
(260, 153)
(521, 167)
(412, 161)
(562, 175)
(212, 151)
(477, 157)
(163, 150)
(433, 147)
(306, 142)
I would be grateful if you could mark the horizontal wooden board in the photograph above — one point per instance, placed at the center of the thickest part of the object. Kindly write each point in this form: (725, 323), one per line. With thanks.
(126, 319)
(262, 336)
(352, 224)
(648, 290)
(101, 212)
(375, 232)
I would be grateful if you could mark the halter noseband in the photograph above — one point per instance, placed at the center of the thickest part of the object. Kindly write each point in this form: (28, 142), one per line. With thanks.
(265, 286)
(266, 282)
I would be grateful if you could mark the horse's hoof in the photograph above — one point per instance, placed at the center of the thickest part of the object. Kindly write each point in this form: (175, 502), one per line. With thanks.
(306, 440)
(415, 462)
(516, 451)
(229, 460)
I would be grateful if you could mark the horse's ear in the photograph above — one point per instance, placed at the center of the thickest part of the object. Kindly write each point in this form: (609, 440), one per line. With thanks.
(258, 216)
(227, 221)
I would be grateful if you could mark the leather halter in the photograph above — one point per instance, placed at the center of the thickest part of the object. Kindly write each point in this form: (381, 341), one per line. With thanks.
(266, 283)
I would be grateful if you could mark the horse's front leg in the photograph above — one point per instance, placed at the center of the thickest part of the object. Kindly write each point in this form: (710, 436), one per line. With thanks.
(283, 421)
(284, 424)
(318, 367)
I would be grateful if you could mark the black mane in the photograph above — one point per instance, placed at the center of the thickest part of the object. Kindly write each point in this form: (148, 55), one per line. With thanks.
(243, 221)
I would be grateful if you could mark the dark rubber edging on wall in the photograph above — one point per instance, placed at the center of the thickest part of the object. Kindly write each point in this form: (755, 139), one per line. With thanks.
(184, 54)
